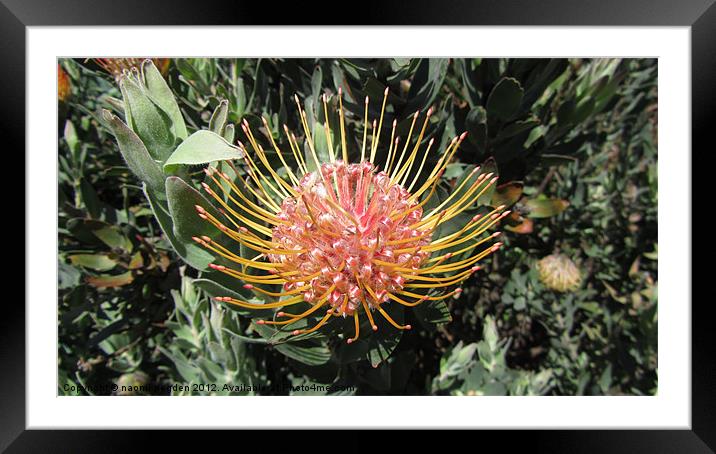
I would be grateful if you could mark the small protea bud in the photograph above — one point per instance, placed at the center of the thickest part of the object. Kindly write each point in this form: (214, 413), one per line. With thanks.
(347, 238)
(131, 384)
(64, 87)
(559, 273)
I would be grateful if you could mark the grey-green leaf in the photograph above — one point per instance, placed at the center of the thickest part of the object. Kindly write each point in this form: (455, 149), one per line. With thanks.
(217, 123)
(163, 96)
(191, 253)
(135, 154)
(148, 120)
(200, 148)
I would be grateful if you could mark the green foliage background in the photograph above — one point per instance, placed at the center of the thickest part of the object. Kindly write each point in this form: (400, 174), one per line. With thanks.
(574, 142)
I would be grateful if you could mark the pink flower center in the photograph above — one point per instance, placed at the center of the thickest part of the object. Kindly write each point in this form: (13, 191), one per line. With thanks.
(360, 233)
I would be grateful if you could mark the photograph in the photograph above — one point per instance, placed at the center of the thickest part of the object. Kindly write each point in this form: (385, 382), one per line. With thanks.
(408, 226)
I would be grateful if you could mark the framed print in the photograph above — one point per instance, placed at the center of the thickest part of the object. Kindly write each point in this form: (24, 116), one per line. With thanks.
(468, 217)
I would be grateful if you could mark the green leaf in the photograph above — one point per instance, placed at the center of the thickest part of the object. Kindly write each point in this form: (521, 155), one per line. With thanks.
(162, 95)
(229, 133)
(507, 194)
(182, 201)
(545, 208)
(306, 352)
(113, 238)
(190, 252)
(427, 82)
(148, 120)
(200, 148)
(321, 146)
(135, 154)
(436, 312)
(518, 127)
(90, 199)
(476, 125)
(97, 262)
(217, 123)
(505, 99)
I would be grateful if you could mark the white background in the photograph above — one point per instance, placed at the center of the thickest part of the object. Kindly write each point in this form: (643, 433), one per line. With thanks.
(670, 408)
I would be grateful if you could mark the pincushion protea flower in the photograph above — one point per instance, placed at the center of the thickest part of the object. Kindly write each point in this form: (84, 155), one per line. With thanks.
(347, 238)
(559, 273)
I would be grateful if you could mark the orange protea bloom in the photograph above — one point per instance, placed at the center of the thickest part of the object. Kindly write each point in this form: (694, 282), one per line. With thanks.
(64, 87)
(348, 238)
(117, 66)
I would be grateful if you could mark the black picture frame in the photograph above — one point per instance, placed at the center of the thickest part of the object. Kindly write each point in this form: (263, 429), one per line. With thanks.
(16, 15)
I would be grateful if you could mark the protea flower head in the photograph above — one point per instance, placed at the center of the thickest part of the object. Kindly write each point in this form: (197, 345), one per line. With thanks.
(348, 238)
(559, 273)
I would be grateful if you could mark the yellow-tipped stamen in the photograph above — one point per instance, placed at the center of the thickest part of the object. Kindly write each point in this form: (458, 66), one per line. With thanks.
(457, 278)
(390, 146)
(284, 187)
(478, 221)
(250, 207)
(266, 199)
(403, 302)
(422, 203)
(380, 309)
(365, 131)
(442, 163)
(415, 277)
(467, 262)
(242, 239)
(343, 125)
(356, 321)
(405, 147)
(266, 279)
(367, 312)
(257, 227)
(424, 233)
(466, 202)
(394, 149)
(327, 129)
(283, 184)
(364, 302)
(293, 318)
(431, 298)
(473, 234)
(372, 140)
(320, 324)
(307, 132)
(267, 202)
(237, 259)
(405, 171)
(454, 192)
(295, 150)
(374, 144)
(422, 164)
(276, 148)
(391, 321)
(277, 294)
(247, 305)
(475, 244)
(256, 173)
